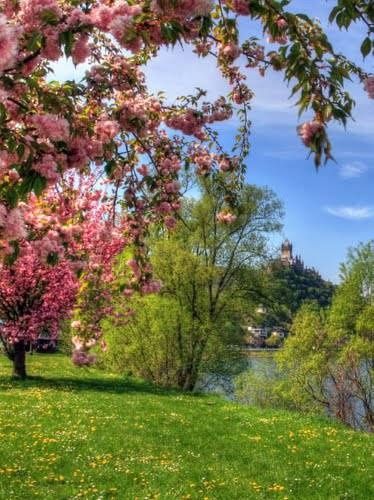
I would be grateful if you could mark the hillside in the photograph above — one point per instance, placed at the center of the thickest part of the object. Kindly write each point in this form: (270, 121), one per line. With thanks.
(69, 433)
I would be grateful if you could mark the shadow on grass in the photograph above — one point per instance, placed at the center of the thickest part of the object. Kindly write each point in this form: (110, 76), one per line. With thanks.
(95, 384)
(76, 384)
(63, 377)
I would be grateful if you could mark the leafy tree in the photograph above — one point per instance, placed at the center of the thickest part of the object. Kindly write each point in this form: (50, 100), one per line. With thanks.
(289, 287)
(330, 353)
(176, 335)
(274, 340)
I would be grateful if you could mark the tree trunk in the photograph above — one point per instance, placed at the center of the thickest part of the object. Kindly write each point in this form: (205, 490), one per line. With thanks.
(19, 360)
(187, 377)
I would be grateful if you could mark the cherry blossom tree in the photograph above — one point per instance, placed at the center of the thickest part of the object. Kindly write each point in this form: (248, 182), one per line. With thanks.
(141, 141)
(59, 249)
(34, 297)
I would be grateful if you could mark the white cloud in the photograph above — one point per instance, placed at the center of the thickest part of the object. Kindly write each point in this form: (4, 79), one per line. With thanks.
(353, 169)
(352, 212)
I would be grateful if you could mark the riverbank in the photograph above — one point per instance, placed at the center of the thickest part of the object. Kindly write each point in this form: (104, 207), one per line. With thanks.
(80, 433)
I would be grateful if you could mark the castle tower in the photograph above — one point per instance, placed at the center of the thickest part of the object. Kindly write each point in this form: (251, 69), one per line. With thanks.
(286, 253)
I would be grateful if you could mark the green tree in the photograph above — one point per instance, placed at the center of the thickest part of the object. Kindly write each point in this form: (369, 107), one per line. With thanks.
(330, 354)
(186, 328)
(274, 340)
(289, 287)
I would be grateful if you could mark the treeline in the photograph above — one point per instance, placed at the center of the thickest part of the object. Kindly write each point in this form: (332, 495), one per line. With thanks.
(327, 362)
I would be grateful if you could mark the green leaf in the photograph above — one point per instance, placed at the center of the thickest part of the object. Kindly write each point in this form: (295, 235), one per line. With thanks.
(34, 42)
(39, 185)
(109, 167)
(48, 16)
(67, 41)
(52, 258)
(366, 46)
(12, 257)
(334, 13)
(2, 113)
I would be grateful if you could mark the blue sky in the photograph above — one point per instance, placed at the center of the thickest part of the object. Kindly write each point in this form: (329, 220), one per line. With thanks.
(325, 211)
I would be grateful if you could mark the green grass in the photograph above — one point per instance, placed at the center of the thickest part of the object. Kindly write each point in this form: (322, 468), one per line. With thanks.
(69, 433)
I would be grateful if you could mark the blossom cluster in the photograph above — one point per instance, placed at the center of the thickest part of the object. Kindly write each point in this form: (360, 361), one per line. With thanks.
(369, 86)
(308, 131)
(226, 217)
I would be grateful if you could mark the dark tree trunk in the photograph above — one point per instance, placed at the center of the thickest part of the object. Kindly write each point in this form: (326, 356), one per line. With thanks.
(19, 360)
(190, 382)
(187, 377)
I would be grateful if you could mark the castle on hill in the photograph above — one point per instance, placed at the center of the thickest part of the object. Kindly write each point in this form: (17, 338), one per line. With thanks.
(287, 258)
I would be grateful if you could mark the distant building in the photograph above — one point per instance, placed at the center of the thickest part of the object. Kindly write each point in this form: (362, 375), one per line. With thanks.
(287, 257)
(257, 336)
(286, 253)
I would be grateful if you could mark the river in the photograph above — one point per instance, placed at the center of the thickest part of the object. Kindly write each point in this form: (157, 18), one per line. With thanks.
(255, 361)
(245, 388)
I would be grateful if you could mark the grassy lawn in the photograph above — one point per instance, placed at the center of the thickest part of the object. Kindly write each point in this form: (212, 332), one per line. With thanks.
(78, 433)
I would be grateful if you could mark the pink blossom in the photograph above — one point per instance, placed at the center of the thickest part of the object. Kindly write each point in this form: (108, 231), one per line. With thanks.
(8, 44)
(143, 170)
(81, 50)
(369, 86)
(230, 50)
(83, 358)
(77, 17)
(170, 222)
(51, 126)
(101, 16)
(164, 207)
(3, 215)
(239, 6)
(32, 11)
(241, 94)
(282, 23)
(13, 175)
(308, 130)
(280, 39)
(47, 167)
(51, 49)
(226, 217)
(172, 187)
(202, 48)
(77, 342)
(225, 164)
(106, 130)
(134, 266)
(170, 165)
(152, 286)
(202, 7)
(21, 286)
(15, 225)
(203, 160)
